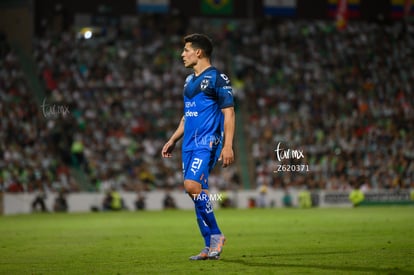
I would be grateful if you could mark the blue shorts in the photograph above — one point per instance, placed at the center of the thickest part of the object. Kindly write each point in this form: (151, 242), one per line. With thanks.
(198, 164)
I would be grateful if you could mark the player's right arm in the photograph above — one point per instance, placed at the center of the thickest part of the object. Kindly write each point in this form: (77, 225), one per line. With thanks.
(166, 151)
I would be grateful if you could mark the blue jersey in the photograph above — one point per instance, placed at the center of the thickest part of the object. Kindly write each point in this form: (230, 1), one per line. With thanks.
(204, 97)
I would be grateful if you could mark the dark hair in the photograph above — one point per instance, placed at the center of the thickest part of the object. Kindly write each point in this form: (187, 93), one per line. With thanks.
(200, 41)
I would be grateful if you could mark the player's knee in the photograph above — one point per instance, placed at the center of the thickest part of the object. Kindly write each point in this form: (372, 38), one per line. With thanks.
(192, 187)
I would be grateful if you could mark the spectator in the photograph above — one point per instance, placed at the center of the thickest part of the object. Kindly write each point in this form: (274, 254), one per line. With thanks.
(60, 204)
(39, 203)
(261, 200)
(169, 201)
(140, 201)
(287, 199)
(113, 201)
(356, 196)
(226, 201)
(305, 198)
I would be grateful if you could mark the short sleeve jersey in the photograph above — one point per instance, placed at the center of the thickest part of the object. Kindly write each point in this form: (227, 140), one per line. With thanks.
(204, 98)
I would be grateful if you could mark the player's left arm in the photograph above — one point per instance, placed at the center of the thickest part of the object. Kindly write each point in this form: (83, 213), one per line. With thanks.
(226, 103)
(227, 154)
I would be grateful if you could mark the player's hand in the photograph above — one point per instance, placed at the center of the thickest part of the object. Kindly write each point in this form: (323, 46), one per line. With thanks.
(167, 149)
(226, 156)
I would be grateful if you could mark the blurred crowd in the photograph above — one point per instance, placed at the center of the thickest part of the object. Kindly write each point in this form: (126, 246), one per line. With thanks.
(124, 98)
(29, 158)
(341, 97)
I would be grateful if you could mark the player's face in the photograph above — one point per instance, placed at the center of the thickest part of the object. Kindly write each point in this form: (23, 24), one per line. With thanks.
(189, 55)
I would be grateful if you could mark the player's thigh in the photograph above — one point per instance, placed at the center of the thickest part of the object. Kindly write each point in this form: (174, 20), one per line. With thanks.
(197, 166)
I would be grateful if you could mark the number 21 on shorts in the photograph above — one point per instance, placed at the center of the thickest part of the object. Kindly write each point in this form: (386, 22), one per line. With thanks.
(195, 166)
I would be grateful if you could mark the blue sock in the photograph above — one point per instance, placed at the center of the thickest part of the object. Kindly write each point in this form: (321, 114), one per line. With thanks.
(205, 208)
(205, 231)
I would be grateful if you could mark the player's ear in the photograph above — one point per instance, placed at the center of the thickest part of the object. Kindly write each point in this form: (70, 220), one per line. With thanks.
(199, 52)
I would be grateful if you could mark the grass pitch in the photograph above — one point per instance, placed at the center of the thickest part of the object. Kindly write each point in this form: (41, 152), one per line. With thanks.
(371, 240)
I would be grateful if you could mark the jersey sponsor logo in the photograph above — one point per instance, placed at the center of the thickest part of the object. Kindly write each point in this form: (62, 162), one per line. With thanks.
(204, 84)
(191, 114)
(189, 104)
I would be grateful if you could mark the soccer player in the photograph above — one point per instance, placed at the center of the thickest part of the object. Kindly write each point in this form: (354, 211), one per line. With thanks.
(207, 129)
